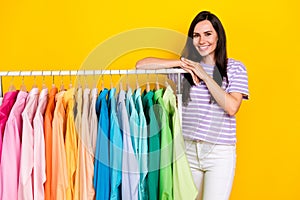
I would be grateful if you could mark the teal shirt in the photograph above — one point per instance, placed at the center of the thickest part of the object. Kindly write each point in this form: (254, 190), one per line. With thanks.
(133, 121)
(166, 154)
(116, 148)
(153, 145)
(183, 183)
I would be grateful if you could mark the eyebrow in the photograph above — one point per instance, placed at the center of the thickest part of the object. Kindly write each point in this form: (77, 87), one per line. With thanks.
(204, 32)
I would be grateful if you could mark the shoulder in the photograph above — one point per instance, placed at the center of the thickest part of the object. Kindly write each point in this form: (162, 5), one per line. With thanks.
(235, 66)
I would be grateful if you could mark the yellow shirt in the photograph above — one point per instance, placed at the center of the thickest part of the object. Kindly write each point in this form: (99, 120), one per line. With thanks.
(70, 141)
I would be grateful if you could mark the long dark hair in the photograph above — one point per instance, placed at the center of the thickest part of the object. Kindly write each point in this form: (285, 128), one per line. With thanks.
(190, 52)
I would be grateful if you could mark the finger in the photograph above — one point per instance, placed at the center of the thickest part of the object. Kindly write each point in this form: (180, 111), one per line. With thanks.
(187, 61)
(195, 78)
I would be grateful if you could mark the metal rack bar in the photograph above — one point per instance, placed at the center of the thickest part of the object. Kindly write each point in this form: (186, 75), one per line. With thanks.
(91, 72)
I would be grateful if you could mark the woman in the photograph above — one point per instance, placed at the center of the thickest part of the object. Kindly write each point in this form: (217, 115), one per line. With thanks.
(214, 88)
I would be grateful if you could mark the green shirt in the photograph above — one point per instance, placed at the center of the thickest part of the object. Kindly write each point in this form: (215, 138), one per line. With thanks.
(183, 184)
(153, 145)
(165, 174)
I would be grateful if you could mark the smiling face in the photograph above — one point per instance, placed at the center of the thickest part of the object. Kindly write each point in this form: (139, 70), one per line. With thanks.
(205, 40)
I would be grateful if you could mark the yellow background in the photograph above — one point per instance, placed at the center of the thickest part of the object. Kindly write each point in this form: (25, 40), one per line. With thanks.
(264, 35)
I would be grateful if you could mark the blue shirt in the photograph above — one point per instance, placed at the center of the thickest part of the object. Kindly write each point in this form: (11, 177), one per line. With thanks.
(101, 171)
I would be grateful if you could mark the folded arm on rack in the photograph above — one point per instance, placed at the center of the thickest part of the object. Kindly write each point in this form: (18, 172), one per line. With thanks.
(157, 63)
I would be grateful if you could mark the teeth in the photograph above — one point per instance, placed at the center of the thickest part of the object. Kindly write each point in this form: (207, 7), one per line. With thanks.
(202, 47)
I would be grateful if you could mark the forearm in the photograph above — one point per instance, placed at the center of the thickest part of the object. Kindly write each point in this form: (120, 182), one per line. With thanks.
(157, 63)
(229, 102)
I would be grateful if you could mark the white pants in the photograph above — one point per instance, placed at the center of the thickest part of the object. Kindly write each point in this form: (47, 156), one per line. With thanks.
(212, 167)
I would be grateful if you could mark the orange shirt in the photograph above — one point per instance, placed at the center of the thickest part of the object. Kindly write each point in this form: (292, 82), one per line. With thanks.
(48, 140)
(59, 178)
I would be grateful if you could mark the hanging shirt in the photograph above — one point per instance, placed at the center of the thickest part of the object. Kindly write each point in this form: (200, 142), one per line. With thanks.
(142, 145)
(133, 121)
(165, 174)
(25, 189)
(71, 146)
(78, 127)
(8, 102)
(5, 108)
(153, 145)
(93, 120)
(183, 183)
(39, 161)
(101, 171)
(130, 166)
(11, 149)
(86, 170)
(116, 148)
(48, 141)
(59, 179)
(93, 129)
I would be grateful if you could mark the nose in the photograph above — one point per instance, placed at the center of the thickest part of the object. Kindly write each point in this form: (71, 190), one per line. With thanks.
(201, 40)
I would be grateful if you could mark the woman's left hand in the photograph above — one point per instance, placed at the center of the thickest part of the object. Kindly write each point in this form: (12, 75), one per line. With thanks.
(195, 69)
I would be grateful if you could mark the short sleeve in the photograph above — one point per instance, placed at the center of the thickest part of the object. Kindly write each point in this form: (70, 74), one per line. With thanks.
(237, 78)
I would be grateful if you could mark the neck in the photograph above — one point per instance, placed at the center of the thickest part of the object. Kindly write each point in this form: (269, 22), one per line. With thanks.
(209, 60)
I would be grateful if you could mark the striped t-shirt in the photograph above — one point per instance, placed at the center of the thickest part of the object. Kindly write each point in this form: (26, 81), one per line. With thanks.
(208, 122)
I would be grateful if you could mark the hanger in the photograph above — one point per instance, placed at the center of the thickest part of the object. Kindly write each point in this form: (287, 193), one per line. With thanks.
(70, 85)
(137, 81)
(166, 81)
(12, 86)
(111, 83)
(120, 84)
(43, 81)
(102, 81)
(53, 84)
(94, 79)
(147, 84)
(156, 83)
(127, 82)
(78, 80)
(23, 87)
(34, 81)
(62, 87)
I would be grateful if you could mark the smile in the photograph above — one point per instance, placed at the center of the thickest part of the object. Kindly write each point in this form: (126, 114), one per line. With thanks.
(203, 48)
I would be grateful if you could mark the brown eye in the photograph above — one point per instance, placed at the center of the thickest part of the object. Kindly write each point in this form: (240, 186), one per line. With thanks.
(196, 35)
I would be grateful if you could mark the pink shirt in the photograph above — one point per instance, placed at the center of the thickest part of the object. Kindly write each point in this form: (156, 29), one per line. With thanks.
(25, 190)
(8, 102)
(39, 160)
(10, 160)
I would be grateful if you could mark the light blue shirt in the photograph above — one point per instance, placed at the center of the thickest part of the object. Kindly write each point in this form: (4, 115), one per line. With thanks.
(101, 171)
(133, 121)
(130, 167)
(116, 148)
(142, 145)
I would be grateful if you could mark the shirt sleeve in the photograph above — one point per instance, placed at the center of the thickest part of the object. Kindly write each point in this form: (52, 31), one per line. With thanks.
(238, 79)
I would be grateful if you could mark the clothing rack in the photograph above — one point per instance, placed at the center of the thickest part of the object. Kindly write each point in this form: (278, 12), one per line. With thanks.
(98, 72)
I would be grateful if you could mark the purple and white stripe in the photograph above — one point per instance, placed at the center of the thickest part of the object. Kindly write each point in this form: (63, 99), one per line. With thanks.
(209, 122)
